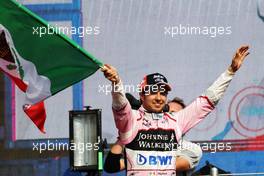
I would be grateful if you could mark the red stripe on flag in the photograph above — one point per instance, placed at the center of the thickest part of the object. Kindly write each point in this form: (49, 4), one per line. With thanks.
(37, 114)
(20, 84)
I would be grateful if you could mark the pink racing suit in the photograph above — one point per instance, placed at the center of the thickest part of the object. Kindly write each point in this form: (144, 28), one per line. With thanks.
(150, 139)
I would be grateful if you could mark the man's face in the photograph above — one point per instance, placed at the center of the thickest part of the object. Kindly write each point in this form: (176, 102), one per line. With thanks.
(154, 101)
(175, 107)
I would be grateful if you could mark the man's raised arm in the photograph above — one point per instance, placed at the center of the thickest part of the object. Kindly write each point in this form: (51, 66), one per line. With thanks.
(119, 98)
(216, 90)
(203, 105)
(121, 107)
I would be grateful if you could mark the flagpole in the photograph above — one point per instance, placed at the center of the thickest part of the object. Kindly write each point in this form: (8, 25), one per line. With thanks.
(64, 37)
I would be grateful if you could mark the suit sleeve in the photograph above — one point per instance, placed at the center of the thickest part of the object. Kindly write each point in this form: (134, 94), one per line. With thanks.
(123, 114)
(204, 104)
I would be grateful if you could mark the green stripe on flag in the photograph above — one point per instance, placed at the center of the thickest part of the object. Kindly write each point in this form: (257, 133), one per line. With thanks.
(55, 56)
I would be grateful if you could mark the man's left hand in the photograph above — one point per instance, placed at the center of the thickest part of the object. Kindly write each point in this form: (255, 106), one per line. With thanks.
(238, 58)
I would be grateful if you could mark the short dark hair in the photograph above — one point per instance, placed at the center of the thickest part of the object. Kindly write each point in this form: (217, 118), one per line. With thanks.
(178, 100)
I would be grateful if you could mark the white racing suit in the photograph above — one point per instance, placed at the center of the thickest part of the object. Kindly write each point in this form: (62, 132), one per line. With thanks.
(150, 139)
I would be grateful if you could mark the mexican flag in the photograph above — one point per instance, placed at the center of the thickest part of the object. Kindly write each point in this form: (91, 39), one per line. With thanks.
(40, 65)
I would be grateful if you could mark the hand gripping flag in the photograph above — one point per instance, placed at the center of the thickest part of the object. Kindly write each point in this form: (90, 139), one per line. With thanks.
(39, 66)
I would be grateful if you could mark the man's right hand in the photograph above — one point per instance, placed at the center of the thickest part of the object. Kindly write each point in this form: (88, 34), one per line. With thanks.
(110, 73)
